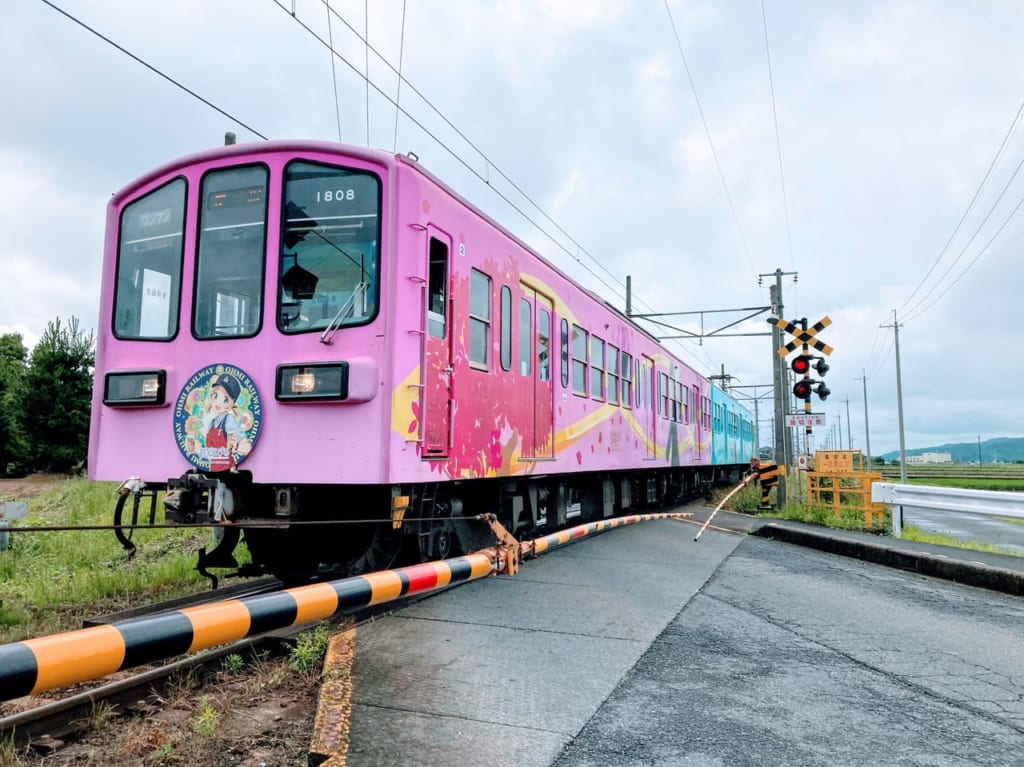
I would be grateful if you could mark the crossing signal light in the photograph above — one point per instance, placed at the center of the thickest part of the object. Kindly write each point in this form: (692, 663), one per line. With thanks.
(802, 390)
(823, 392)
(821, 367)
(801, 364)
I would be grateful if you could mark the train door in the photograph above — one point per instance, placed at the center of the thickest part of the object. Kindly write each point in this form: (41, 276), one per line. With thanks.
(649, 394)
(437, 349)
(534, 331)
(698, 425)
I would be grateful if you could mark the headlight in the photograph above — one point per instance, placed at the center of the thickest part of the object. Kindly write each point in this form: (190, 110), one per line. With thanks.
(135, 387)
(315, 381)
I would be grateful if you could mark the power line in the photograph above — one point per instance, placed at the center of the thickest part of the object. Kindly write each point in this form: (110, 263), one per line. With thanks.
(334, 74)
(153, 69)
(984, 181)
(707, 133)
(479, 151)
(369, 83)
(459, 159)
(778, 140)
(972, 262)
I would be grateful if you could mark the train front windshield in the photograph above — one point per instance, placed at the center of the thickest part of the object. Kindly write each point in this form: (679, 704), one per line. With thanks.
(329, 252)
(326, 266)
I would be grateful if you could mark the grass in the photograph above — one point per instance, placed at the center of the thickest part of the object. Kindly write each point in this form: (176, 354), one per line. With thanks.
(912, 533)
(51, 581)
(972, 483)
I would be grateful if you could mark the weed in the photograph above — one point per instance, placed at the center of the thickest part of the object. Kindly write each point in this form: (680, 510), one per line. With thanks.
(310, 648)
(208, 719)
(8, 753)
(234, 663)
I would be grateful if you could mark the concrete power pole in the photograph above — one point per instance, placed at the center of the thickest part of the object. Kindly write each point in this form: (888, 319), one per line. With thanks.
(867, 430)
(899, 399)
(779, 379)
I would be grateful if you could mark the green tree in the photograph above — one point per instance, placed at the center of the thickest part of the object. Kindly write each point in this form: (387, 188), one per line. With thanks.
(56, 397)
(12, 371)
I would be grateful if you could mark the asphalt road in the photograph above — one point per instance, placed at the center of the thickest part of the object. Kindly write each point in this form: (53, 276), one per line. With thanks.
(641, 647)
(968, 527)
(789, 656)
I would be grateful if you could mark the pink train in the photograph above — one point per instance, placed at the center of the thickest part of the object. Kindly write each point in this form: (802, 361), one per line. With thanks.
(328, 348)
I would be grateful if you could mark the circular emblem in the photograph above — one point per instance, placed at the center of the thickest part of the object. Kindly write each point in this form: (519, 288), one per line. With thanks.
(217, 417)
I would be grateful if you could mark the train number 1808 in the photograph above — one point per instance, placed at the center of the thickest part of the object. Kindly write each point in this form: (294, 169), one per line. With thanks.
(335, 195)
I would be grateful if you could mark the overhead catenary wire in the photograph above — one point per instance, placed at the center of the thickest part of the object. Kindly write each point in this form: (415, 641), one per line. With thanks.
(334, 74)
(399, 109)
(398, 89)
(778, 139)
(707, 133)
(153, 69)
(489, 163)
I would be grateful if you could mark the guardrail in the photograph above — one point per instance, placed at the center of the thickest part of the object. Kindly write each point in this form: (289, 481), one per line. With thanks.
(989, 502)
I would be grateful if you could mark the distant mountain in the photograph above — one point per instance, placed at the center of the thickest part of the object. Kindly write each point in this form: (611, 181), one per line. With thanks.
(999, 450)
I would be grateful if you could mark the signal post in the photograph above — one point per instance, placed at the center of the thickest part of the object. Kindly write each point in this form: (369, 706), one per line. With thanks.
(806, 337)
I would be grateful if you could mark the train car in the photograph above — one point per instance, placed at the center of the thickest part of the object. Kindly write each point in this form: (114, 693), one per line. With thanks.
(732, 441)
(327, 347)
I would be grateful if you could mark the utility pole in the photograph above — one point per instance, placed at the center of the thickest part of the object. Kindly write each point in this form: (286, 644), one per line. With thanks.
(867, 431)
(779, 379)
(979, 450)
(849, 439)
(899, 399)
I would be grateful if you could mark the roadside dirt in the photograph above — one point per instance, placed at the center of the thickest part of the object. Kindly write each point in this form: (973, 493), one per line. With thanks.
(23, 488)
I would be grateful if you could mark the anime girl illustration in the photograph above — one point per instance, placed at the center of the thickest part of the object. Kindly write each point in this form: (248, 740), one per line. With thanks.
(216, 426)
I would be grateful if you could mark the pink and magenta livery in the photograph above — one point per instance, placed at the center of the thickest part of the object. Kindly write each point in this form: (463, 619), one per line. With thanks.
(497, 395)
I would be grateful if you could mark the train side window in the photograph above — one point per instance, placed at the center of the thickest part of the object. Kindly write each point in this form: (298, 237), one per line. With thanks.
(675, 400)
(437, 289)
(613, 374)
(579, 360)
(232, 241)
(627, 381)
(506, 327)
(596, 368)
(543, 344)
(149, 259)
(479, 320)
(525, 336)
(565, 352)
(662, 394)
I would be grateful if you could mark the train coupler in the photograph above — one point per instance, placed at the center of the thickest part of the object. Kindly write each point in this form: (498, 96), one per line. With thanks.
(507, 553)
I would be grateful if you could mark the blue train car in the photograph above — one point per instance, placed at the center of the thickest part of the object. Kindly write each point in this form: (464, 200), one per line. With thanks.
(733, 439)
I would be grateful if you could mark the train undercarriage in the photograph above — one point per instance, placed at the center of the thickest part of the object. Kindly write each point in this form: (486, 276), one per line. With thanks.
(315, 532)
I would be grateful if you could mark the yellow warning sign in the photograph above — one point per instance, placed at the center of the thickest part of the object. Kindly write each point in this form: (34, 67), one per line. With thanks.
(834, 461)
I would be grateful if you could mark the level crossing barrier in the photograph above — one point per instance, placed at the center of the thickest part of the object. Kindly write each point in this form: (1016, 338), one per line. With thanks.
(45, 663)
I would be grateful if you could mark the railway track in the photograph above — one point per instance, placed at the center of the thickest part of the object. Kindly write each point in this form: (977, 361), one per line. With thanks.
(51, 723)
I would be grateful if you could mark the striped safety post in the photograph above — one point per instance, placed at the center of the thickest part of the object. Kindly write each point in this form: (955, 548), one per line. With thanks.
(45, 663)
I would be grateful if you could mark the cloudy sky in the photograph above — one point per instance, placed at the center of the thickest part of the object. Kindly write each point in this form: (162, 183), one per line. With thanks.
(618, 138)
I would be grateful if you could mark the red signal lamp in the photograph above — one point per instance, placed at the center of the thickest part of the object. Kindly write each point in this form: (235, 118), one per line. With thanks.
(801, 364)
(802, 390)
